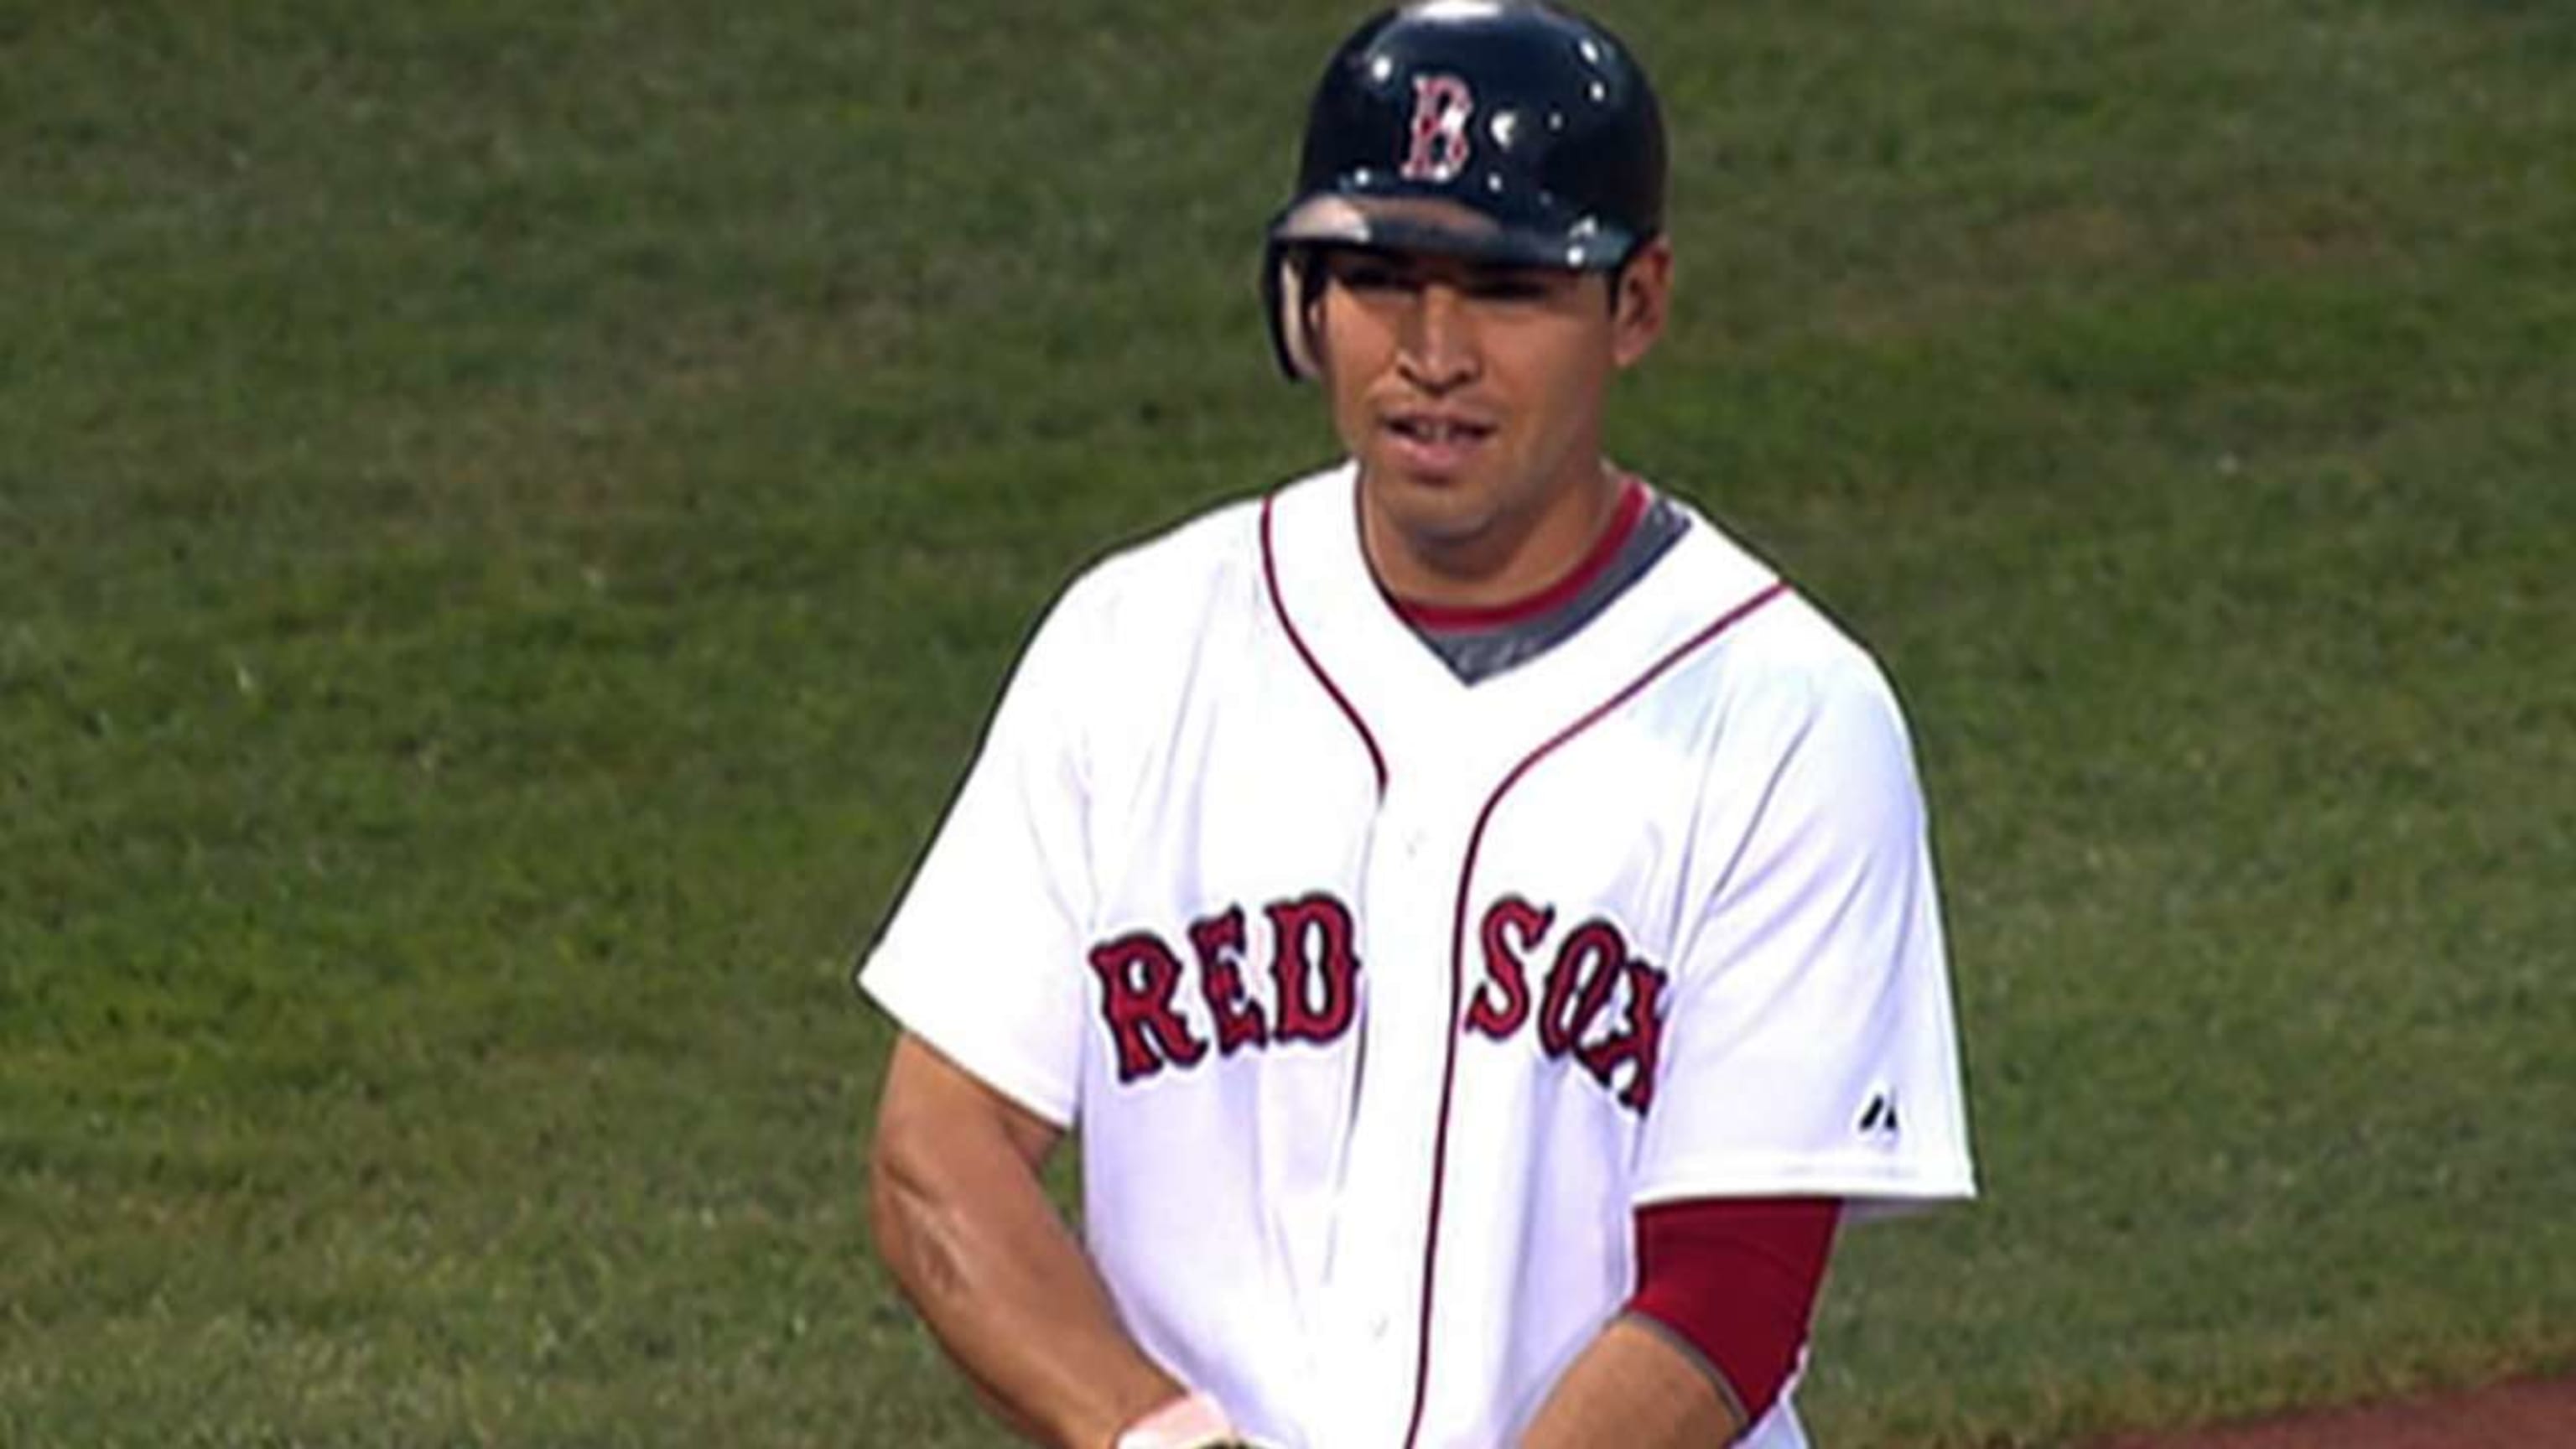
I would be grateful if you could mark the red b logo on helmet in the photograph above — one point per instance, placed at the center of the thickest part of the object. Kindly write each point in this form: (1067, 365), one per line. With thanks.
(1442, 105)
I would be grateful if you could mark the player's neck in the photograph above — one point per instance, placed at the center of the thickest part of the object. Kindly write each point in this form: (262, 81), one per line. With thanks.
(1503, 568)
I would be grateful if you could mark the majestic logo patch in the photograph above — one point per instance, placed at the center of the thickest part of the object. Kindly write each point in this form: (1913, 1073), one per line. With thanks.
(1442, 106)
(1878, 1119)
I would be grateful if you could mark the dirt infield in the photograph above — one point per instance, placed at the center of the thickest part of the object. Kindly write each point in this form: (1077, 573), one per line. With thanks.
(2531, 1414)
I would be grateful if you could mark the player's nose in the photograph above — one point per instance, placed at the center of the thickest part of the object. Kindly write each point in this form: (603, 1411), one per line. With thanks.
(1439, 347)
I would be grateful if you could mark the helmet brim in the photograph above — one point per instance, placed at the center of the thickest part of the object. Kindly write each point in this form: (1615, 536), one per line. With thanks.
(1441, 227)
(1430, 225)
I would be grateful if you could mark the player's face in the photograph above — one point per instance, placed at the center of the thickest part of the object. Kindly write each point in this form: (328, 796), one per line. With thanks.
(1471, 395)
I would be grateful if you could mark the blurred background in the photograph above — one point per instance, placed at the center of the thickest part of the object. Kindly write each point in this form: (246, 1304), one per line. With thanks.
(511, 518)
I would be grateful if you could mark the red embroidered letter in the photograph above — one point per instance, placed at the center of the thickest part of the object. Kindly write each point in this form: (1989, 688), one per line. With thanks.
(1575, 995)
(1641, 1045)
(1502, 1003)
(1313, 969)
(1218, 940)
(1442, 106)
(1137, 976)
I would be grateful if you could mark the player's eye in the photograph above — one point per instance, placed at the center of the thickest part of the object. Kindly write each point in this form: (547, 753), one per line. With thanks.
(1511, 286)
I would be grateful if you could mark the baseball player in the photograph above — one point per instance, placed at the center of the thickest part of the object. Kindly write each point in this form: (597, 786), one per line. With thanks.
(1476, 916)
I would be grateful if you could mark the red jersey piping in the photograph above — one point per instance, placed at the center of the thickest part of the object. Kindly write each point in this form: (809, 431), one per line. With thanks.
(1297, 641)
(1457, 963)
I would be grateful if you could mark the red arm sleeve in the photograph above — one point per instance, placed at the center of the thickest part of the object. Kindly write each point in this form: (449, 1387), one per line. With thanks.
(1736, 1280)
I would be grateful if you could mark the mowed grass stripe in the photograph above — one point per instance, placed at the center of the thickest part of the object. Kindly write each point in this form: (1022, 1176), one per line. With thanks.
(511, 523)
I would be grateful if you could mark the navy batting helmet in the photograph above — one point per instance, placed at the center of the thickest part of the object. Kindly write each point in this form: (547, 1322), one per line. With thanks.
(1503, 130)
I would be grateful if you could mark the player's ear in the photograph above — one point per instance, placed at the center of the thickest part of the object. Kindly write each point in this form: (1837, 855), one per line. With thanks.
(1640, 299)
(1310, 282)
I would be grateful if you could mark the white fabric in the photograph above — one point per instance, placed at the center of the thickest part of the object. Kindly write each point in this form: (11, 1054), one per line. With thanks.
(1739, 832)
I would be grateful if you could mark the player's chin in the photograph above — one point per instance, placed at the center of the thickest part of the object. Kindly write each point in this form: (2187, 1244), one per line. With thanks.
(1439, 502)
(1441, 515)
(1433, 489)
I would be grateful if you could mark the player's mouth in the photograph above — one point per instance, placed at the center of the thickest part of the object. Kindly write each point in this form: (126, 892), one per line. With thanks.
(1434, 444)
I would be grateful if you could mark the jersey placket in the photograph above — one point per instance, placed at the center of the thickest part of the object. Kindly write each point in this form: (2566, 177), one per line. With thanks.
(1413, 900)
(1445, 749)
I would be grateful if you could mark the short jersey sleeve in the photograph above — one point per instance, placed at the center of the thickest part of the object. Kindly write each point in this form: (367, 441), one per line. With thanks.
(982, 957)
(1811, 1048)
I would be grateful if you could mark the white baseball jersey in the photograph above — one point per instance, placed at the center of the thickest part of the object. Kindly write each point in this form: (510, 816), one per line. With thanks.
(1381, 1000)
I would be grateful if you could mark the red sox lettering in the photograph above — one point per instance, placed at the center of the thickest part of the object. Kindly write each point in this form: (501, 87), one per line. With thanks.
(1314, 972)
(1157, 1019)
(1592, 964)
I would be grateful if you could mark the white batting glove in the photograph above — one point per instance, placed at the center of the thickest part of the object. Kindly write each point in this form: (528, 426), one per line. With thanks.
(1192, 1421)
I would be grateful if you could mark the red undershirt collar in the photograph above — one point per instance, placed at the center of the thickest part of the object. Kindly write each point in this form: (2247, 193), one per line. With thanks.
(1448, 618)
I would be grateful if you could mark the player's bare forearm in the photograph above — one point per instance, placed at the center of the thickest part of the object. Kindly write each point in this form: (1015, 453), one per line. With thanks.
(1634, 1386)
(965, 1227)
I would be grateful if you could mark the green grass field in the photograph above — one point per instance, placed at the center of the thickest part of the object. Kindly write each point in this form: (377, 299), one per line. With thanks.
(510, 518)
